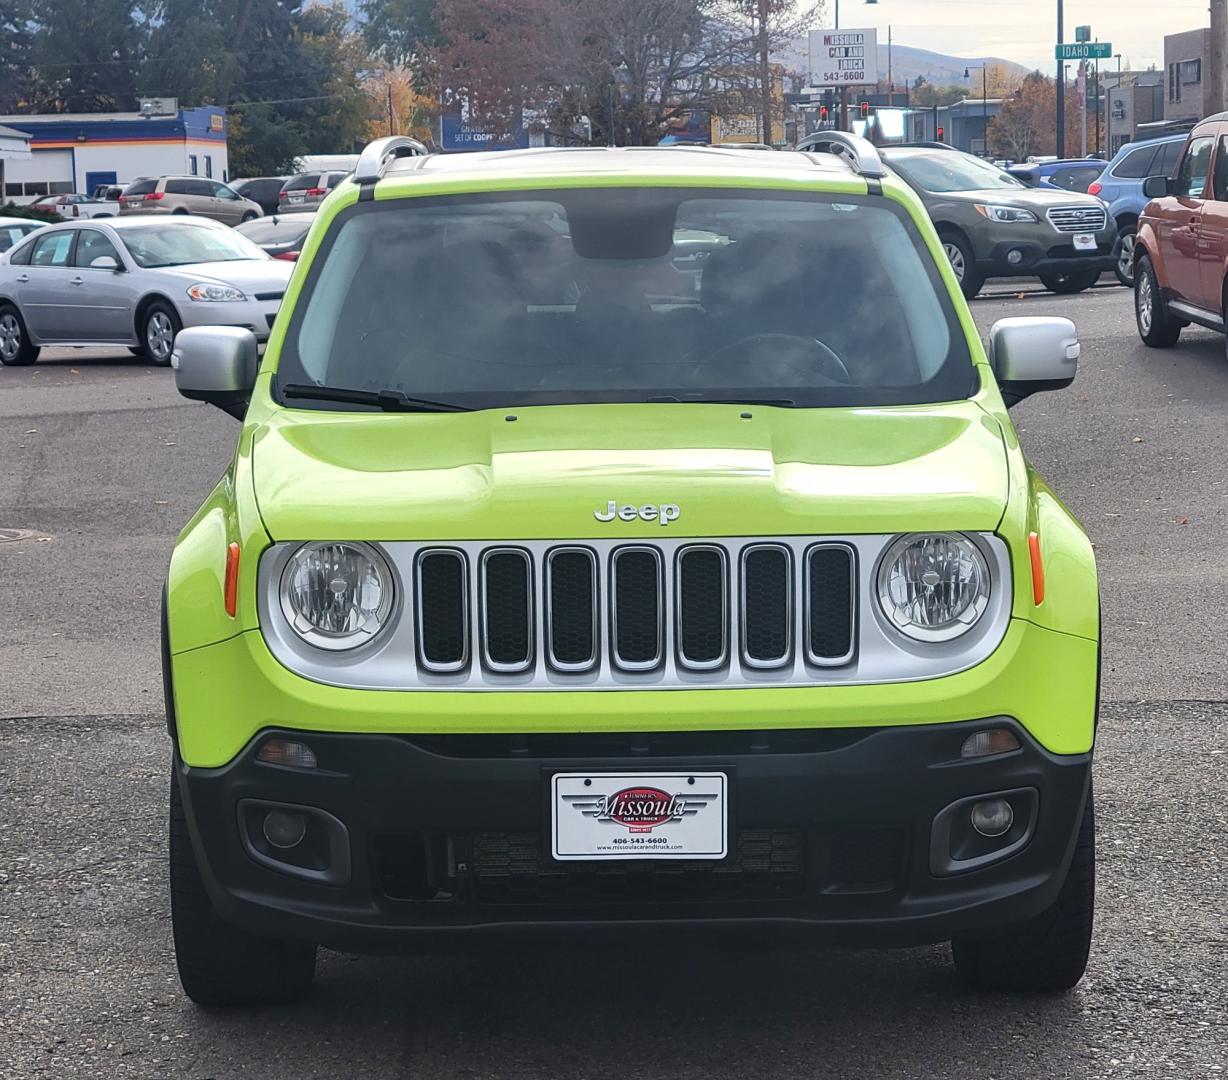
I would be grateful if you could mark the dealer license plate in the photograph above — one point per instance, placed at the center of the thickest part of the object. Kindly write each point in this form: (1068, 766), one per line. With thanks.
(671, 815)
(1084, 241)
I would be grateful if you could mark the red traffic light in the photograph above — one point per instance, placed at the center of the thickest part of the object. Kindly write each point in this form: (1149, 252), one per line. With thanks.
(865, 109)
(823, 113)
(941, 133)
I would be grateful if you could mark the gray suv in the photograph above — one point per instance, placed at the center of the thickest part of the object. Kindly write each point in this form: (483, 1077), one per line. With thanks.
(187, 195)
(993, 225)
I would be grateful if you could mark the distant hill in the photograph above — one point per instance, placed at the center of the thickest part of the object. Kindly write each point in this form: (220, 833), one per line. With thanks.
(907, 63)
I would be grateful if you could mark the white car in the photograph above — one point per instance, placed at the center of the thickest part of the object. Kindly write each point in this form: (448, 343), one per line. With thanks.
(134, 281)
(15, 229)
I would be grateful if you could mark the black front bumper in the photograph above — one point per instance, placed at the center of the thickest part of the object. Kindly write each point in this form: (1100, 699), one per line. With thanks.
(1059, 256)
(426, 840)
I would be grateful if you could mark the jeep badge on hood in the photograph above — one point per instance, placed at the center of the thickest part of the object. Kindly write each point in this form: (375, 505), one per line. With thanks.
(665, 513)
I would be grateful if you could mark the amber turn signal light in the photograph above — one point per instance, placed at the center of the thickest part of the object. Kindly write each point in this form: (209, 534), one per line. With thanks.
(1038, 570)
(230, 588)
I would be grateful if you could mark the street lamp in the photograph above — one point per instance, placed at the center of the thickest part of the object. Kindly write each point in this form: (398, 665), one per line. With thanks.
(984, 108)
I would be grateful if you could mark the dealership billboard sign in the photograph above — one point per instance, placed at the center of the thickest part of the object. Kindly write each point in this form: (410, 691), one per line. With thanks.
(843, 57)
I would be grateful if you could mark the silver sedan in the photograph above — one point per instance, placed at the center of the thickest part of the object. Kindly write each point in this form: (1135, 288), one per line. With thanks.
(135, 282)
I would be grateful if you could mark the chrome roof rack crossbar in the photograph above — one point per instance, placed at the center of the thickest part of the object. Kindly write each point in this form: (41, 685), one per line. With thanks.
(376, 156)
(858, 152)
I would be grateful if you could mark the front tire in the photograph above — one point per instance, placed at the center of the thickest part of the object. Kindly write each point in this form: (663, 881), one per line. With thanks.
(249, 216)
(1124, 267)
(1156, 326)
(1064, 282)
(220, 964)
(963, 262)
(15, 347)
(1048, 953)
(160, 326)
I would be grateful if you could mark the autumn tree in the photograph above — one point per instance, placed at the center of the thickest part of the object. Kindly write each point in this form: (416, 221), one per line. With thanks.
(396, 106)
(763, 26)
(1026, 125)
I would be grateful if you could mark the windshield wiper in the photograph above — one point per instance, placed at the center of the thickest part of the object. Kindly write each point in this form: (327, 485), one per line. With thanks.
(388, 400)
(668, 399)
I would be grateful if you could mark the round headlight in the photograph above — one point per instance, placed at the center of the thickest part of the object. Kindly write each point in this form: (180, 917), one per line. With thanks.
(933, 587)
(336, 595)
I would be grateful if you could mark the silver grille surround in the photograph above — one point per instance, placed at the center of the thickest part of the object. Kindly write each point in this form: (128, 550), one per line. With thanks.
(683, 660)
(483, 594)
(391, 660)
(766, 663)
(1077, 219)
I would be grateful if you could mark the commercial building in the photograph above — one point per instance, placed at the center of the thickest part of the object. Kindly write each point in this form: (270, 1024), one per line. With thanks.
(81, 151)
(1133, 98)
(14, 146)
(1187, 67)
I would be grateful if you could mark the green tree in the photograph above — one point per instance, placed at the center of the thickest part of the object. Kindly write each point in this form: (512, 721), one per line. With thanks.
(88, 53)
(17, 81)
(291, 76)
(400, 32)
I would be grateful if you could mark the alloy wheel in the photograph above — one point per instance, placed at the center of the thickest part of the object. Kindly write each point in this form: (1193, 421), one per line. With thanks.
(160, 335)
(1125, 257)
(957, 259)
(10, 336)
(1145, 302)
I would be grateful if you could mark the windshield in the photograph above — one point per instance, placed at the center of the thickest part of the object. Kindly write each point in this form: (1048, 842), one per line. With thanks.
(181, 243)
(949, 170)
(629, 295)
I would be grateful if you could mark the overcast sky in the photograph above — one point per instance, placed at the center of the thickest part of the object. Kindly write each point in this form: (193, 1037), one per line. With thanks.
(1025, 30)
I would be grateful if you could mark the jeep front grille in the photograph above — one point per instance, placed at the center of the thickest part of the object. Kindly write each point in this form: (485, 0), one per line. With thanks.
(633, 638)
(651, 613)
(1077, 219)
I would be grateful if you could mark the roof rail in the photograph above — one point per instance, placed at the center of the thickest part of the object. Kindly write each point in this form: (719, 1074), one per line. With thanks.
(858, 152)
(376, 156)
(922, 144)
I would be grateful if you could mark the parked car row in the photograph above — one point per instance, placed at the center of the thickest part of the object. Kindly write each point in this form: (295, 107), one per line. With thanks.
(992, 224)
(133, 281)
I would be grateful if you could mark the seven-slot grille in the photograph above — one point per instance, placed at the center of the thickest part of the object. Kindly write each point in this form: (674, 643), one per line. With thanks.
(701, 607)
(1077, 219)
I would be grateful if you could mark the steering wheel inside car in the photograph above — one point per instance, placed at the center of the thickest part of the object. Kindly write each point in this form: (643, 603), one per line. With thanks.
(789, 355)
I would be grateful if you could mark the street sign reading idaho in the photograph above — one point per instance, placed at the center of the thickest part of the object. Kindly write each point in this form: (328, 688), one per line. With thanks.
(1087, 50)
(843, 57)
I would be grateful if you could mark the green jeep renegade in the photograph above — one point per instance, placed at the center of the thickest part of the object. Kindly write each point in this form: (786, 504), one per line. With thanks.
(628, 540)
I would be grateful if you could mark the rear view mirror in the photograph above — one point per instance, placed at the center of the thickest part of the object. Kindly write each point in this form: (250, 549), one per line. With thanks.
(104, 262)
(1031, 354)
(1156, 187)
(217, 364)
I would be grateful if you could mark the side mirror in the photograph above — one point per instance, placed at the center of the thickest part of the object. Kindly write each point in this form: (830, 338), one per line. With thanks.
(217, 364)
(105, 262)
(1031, 354)
(1156, 187)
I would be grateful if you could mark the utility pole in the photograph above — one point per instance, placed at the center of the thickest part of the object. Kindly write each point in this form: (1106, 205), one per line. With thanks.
(1217, 91)
(1097, 81)
(765, 72)
(390, 131)
(890, 80)
(1082, 109)
(1061, 89)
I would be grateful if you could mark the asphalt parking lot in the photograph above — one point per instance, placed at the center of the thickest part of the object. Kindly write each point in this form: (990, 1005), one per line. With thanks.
(103, 463)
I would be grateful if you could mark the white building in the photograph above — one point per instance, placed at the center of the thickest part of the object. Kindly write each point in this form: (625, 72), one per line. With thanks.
(81, 151)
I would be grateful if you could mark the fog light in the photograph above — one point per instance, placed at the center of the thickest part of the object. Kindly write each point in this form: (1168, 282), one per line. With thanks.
(287, 752)
(987, 743)
(285, 829)
(1014, 256)
(991, 818)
